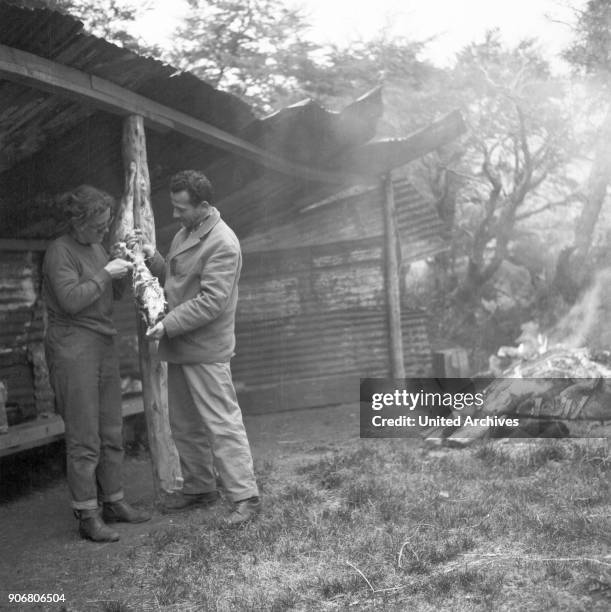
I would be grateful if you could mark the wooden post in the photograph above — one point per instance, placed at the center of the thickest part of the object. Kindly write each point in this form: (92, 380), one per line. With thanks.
(166, 466)
(391, 280)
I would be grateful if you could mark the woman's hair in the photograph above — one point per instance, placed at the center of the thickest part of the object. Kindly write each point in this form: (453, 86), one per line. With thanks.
(85, 202)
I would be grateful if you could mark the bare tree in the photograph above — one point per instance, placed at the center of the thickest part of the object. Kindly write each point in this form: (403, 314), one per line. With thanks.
(515, 153)
(590, 55)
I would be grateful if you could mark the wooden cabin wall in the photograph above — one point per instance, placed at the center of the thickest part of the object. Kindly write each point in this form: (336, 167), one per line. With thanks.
(22, 364)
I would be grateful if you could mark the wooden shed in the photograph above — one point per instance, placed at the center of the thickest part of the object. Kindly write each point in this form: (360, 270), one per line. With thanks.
(305, 189)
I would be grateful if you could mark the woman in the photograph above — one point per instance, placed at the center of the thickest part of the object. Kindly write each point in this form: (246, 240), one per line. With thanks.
(79, 283)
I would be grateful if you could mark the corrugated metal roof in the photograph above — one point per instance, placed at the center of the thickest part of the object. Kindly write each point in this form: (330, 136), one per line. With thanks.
(88, 142)
(358, 216)
(273, 200)
(379, 156)
(29, 119)
(39, 129)
(320, 134)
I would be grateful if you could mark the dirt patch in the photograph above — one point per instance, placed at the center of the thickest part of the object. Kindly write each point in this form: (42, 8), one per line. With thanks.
(41, 551)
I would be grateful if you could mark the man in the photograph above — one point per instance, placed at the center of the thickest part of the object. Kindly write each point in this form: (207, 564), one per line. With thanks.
(79, 283)
(197, 339)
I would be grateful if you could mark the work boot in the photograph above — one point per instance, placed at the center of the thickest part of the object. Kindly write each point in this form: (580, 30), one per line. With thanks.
(244, 510)
(122, 512)
(181, 501)
(92, 527)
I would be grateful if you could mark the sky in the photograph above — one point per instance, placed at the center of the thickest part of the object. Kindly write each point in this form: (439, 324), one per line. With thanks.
(452, 23)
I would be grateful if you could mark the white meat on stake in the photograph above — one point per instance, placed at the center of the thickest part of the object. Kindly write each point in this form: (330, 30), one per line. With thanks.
(147, 290)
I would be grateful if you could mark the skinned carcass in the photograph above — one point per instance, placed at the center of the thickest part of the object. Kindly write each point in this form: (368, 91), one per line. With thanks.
(148, 293)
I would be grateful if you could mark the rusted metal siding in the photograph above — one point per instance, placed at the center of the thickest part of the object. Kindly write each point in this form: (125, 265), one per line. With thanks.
(312, 305)
(22, 333)
(350, 342)
(356, 215)
(419, 225)
(316, 313)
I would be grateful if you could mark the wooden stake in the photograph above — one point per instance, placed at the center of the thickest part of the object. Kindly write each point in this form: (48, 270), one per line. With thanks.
(391, 281)
(166, 465)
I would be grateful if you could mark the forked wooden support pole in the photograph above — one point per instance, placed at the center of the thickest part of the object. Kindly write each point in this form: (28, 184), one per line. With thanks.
(136, 211)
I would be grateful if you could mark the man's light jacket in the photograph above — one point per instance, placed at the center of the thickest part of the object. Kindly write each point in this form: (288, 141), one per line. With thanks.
(200, 276)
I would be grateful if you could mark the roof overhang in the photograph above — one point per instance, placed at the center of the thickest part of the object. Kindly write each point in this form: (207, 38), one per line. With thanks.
(47, 75)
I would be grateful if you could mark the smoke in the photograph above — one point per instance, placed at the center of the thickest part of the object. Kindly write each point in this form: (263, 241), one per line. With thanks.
(588, 322)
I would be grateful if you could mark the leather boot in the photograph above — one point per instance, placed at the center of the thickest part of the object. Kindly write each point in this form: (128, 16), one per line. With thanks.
(181, 501)
(244, 511)
(92, 527)
(122, 512)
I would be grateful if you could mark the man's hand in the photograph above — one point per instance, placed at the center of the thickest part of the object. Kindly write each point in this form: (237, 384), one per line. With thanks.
(156, 332)
(118, 268)
(137, 237)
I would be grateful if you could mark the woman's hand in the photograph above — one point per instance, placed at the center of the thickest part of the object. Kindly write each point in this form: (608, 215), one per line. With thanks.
(119, 251)
(118, 268)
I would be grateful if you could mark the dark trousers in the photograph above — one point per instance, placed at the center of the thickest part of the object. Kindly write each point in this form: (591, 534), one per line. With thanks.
(84, 371)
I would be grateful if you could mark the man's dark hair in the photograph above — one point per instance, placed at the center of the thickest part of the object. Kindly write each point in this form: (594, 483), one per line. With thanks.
(195, 183)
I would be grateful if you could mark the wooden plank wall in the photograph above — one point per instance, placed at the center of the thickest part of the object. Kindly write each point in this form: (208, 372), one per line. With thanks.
(22, 365)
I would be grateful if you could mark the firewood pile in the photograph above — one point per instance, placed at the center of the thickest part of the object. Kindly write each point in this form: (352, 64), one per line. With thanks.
(535, 381)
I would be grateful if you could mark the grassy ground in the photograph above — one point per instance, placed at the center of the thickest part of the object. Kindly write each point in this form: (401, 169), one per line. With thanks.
(383, 525)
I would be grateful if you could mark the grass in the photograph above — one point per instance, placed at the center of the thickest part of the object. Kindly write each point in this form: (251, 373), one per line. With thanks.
(385, 526)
